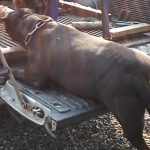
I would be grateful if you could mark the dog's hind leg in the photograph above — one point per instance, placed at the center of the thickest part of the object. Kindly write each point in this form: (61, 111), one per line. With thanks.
(130, 114)
(135, 136)
(142, 90)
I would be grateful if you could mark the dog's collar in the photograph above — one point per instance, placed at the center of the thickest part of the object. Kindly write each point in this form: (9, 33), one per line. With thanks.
(39, 24)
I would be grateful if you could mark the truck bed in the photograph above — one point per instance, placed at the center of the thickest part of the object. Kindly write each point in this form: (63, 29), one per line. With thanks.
(66, 109)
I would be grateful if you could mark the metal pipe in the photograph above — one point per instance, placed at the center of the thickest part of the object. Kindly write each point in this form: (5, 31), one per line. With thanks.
(105, 19)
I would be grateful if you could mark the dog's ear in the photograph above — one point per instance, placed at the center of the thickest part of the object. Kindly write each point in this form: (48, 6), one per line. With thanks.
(11, 19)
(19, 13)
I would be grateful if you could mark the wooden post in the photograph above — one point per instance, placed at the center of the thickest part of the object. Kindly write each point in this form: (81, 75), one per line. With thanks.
(80, 10)
(105, 19)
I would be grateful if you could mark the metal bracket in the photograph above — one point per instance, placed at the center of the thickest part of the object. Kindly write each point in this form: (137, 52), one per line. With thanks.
(49, 127)
(37, 112)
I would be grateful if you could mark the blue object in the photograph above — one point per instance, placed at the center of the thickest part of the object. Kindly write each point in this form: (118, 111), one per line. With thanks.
(53, 11)
(126, 23)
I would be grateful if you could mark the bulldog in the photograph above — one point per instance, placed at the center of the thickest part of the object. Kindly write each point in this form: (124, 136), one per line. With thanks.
(87, 66)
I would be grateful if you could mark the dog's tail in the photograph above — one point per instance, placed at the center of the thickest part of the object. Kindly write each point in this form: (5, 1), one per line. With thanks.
(142, 91)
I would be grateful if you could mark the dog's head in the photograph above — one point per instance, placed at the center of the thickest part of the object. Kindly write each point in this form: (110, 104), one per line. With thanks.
(39, 6)
(12, 21)
(20, 22)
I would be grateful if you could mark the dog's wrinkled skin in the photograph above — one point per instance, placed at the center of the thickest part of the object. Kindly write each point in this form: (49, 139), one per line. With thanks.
(39, 6)
(87, 66)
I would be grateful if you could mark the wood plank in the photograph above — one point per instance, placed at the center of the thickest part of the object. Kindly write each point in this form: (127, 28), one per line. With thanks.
(12, 49)
(80, 10)
(129, 30)
(87, 25)
(14, 54)
(137, 43)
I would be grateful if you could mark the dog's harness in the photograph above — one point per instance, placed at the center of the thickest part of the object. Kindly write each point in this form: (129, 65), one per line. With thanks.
(38, 25)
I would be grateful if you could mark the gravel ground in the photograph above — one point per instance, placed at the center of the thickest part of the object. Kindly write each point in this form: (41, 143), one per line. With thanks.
(101, 133)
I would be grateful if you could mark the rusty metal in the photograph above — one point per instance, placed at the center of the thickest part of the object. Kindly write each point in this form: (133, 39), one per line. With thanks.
(48, 126)
(140, 9)
(105, 19)
(5, 40)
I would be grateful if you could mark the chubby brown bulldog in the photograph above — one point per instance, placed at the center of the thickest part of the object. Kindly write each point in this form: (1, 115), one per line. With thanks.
(87, 66)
